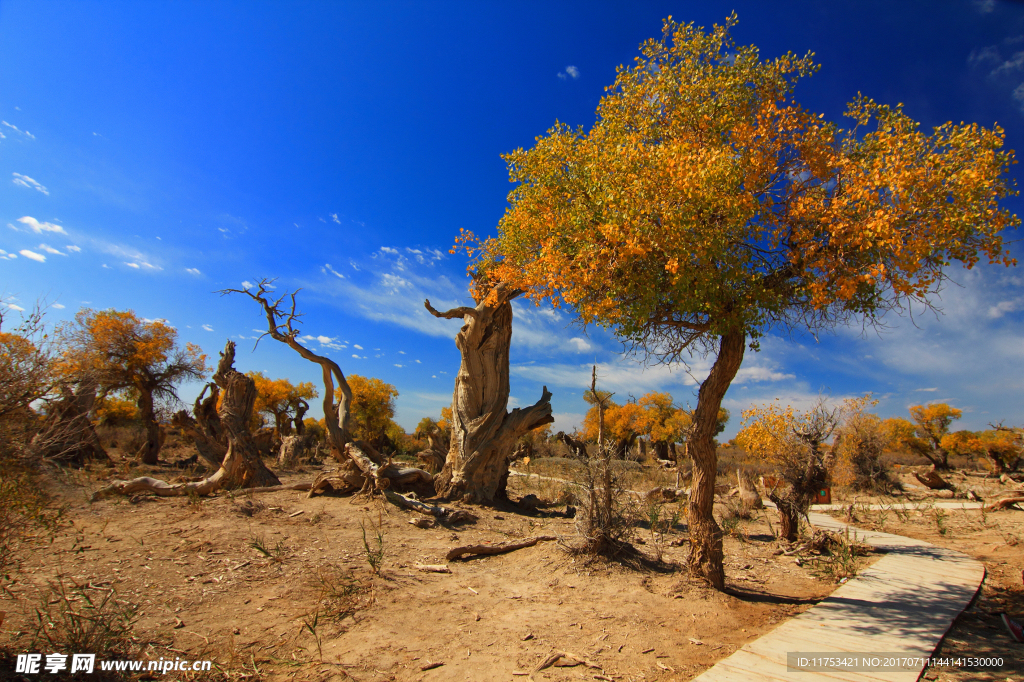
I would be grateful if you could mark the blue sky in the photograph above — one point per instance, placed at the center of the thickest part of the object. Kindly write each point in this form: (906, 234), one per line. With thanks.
(153, 153)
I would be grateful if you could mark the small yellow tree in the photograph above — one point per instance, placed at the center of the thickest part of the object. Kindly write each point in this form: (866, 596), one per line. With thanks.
(1000, 447)
(924, 436)
(859, 445)
(124, 352)
(283, 402)
(793, 444)
(372, 409)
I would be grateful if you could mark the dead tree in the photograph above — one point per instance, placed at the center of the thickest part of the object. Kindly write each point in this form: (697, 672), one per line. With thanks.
(242, 466)
(362, 460)
(577, 448)
(483, 433)
(204, 427)
(67, 435)
(805, 469)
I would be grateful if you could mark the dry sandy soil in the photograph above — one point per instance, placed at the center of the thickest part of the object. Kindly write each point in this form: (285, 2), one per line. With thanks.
(309, 607)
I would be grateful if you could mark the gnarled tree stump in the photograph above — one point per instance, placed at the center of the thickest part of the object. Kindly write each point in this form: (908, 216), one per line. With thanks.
(483, 433)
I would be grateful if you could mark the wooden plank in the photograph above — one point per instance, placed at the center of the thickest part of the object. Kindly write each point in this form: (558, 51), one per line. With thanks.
(904, 603)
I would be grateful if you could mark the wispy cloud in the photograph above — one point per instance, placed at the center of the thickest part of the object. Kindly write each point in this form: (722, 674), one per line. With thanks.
(334, 217)
(58, 306)
(73, 248)
(33, 255)
(132, 265)
(17, 130)
(207, 327)
(27, 182)
(193, 271)
(1003, 64)
(327, 268)
(39, 227)
(49, 249)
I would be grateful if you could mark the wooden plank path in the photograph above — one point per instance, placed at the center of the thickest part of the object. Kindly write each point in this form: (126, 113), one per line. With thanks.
(902, 605)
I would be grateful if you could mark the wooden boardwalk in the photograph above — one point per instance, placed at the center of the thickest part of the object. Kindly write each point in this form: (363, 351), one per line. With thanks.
(904, 604)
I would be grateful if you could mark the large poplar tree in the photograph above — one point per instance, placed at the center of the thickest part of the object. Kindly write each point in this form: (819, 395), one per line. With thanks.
(706, 207)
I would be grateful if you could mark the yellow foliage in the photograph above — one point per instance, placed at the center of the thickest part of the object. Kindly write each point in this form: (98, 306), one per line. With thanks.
(278, 399)
(704, 200)
(116, 410)
(372, 408)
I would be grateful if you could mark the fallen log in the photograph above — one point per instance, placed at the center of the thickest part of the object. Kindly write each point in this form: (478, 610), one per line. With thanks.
(441, 513)
(933, 481)
(1005, 503)
(207, 486)
(432, 568)
(502, 548)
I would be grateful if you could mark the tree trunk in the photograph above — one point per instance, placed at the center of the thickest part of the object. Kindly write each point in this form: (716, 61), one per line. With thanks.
(205, 428)
(749, 495)
(242, 465)
(789, 517)
(706, 557)
(483, 433)
(150, 452)
(292, 450)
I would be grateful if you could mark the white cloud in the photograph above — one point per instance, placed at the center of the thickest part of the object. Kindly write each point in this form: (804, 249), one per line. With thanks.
(928, 390)
(247, 284)
(132, 265)
(207, 327)
(398, 365)
(72, 247)
(567, 421)
(33, 255)
(1003, 307)
(39, 227)
(29, 183)
(58, 306)
(334, 217)
(401, 352)
(389, 250)
(579, 344)
(106, 266)
(356, 345)
(328, 268)
(14, 306)
(193, 271)
(570, 72)
(50, 249)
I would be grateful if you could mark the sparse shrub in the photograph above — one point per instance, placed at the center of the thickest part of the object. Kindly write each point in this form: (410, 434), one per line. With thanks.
(340, 592)
(838, 555)
(275, 553)
(25, 513)
(858, 446)
(373, 545)
(77, 618)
